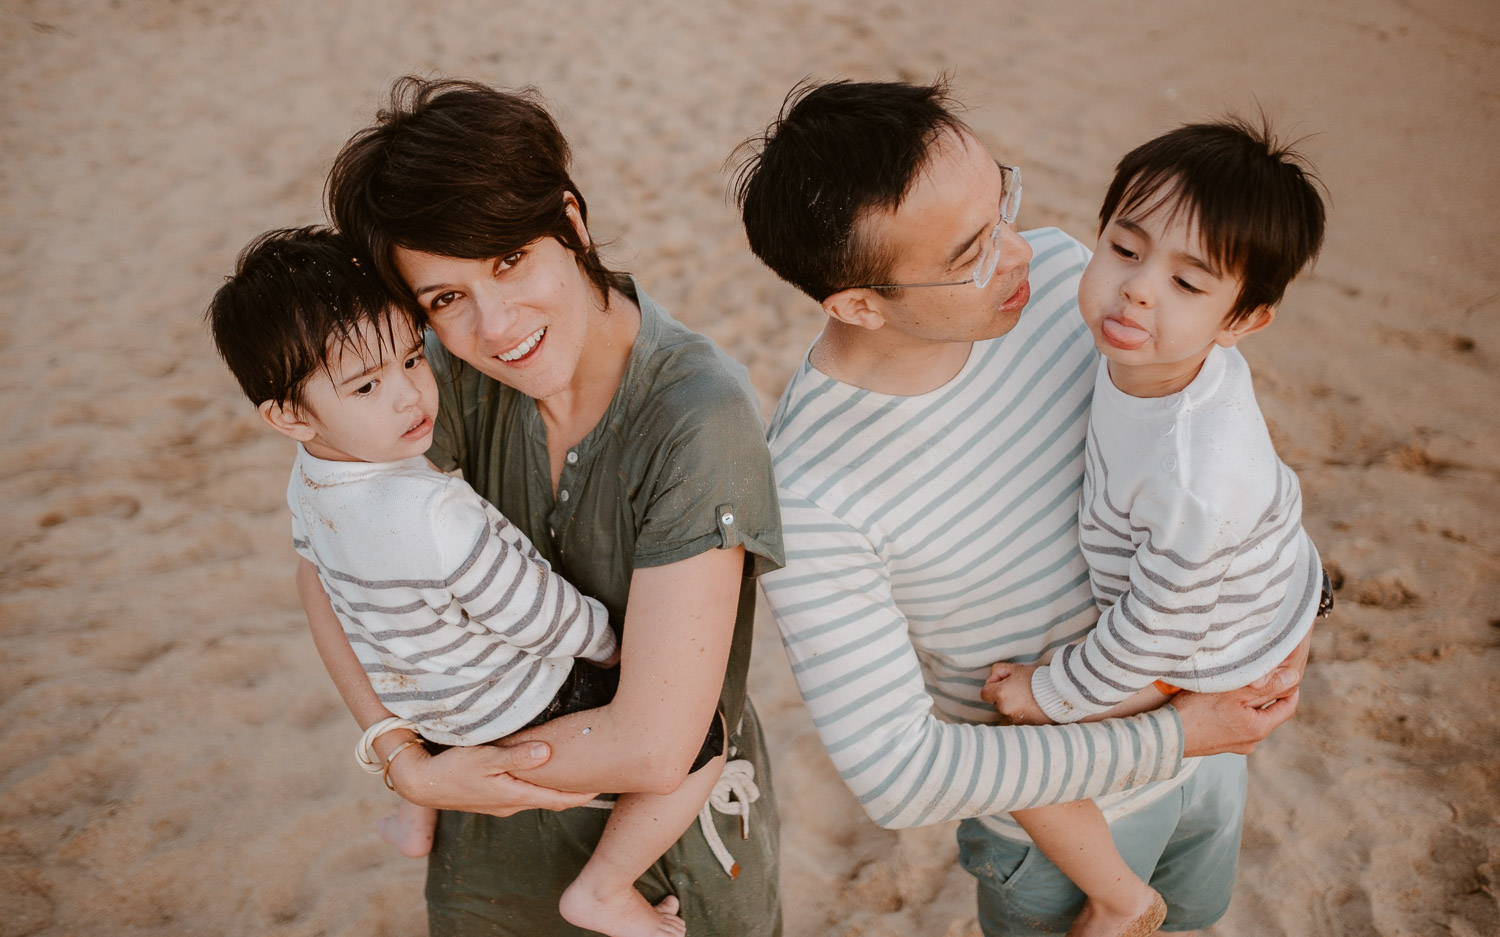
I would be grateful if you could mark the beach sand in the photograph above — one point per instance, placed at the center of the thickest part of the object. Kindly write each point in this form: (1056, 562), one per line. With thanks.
(173, 760)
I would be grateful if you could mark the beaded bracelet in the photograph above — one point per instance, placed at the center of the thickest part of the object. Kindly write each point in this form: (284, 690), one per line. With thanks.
(364, 750)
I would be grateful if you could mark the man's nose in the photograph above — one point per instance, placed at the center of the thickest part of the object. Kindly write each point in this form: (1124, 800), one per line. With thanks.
(1015, 251)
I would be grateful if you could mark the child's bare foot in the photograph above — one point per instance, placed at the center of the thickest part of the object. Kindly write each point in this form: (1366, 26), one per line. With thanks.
(1138, 919)
(409, 829)
(619, 912)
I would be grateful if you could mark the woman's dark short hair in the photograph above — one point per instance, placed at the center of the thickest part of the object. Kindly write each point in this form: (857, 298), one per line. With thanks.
(296, 295)
(459, 169)
(835, 152)
(1256, 201)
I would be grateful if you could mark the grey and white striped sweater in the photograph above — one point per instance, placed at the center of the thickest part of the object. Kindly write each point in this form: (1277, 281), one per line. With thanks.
(461, 626)
(1192, 528)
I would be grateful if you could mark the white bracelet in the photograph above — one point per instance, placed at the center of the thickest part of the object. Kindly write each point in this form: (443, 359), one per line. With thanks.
(364, 751)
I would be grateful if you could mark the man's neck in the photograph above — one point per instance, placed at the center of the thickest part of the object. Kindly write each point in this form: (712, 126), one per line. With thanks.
(886, 362)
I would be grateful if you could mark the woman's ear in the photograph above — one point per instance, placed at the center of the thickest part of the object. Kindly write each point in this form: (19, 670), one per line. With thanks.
(1254, 322)
(575, 215)
(857, 307)
(286, 421)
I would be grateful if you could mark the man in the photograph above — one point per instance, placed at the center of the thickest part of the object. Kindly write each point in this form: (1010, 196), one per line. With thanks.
(929, 454)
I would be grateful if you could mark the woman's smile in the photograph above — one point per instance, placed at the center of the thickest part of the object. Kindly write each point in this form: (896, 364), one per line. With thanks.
(523, 350)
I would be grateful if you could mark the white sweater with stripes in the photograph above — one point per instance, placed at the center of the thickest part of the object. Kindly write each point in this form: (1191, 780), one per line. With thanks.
(928, 537)
(1192, 528)
(460, 625)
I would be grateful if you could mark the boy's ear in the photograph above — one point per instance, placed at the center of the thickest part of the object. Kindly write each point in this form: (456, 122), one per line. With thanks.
(286, 421)
(856, 307)
(1254, 322)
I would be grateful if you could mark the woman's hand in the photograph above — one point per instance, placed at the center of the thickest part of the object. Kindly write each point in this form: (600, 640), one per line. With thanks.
(478, 779)
(474, 779)
(1237, 720)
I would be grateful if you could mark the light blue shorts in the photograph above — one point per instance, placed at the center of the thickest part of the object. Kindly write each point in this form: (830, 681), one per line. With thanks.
(1187, 845)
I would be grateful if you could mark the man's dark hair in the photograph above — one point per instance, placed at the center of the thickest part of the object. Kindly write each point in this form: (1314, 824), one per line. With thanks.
(459, 169)
(836, 152)
(1256, 201)
(296, 295)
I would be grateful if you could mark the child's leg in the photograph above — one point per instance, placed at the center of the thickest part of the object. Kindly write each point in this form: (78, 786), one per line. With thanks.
(1076, 838)
(640, 829)
(409, 829)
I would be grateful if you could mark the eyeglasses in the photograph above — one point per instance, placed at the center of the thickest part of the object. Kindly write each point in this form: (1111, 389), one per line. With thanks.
(989, 254)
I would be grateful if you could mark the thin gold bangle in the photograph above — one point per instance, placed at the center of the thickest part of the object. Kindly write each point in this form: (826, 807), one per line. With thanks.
(385, 773)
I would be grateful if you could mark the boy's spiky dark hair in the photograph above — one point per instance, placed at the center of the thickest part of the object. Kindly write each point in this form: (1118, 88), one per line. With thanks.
(1256, 201)
(296, 295)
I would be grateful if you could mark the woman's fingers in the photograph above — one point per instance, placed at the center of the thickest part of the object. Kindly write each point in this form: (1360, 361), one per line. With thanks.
(479, 779)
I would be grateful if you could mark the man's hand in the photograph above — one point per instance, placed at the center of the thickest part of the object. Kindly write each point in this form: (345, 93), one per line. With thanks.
(1235, 721)
(1009, 689)
(477, 779)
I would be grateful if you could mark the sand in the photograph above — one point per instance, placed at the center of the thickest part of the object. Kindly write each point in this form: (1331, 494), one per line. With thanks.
(174, 762)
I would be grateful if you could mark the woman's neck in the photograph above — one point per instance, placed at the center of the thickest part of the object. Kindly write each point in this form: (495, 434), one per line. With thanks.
(570, 414)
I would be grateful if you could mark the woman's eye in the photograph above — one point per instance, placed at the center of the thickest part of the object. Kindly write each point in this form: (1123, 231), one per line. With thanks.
(442, 299)
(510, 260)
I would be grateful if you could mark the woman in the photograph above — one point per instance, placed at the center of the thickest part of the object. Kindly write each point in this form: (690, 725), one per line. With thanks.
(629, 450)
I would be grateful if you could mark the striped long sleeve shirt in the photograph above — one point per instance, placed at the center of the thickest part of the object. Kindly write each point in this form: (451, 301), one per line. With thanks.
(928, 537)
(1192, 528)
(460, 625)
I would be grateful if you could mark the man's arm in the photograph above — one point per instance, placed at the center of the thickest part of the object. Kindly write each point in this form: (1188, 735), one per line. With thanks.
(859, 675)
(1212, 723)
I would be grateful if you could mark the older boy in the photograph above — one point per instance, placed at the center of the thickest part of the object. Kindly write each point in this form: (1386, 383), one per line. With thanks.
(1190, 523)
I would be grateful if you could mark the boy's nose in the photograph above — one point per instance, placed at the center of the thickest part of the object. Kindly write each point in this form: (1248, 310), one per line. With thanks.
(408, 393)
(1136, 291)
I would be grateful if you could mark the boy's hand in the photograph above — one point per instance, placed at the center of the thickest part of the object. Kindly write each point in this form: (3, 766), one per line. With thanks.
(477, 779)
(1009, 689)
(612, 661)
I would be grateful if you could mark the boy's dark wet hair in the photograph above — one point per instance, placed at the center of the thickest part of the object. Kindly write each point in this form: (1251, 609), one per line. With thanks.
(458, 169)
(1256, 201)
(296, 295)
(836, 152)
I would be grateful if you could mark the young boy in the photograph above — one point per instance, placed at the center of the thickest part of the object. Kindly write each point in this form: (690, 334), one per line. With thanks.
(464, 630)
(1190, 524)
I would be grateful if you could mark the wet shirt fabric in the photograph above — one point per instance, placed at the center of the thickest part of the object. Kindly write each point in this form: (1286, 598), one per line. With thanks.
(676, 466)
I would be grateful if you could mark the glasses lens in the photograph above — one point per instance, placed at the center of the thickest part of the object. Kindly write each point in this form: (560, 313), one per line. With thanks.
(1010, 193)
(989, 259)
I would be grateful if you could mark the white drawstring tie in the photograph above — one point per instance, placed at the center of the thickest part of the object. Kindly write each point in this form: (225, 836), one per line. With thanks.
(733, 794)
